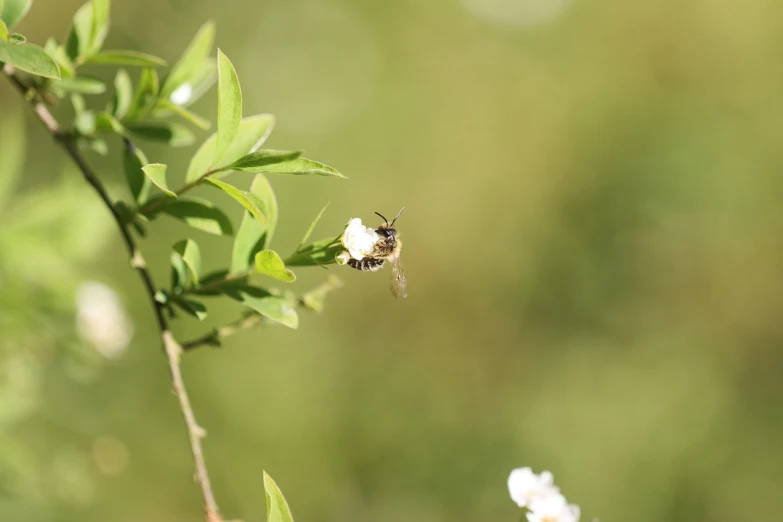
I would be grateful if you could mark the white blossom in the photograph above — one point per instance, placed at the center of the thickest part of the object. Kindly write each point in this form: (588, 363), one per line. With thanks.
(181, 94)
(101, 320)
(359, 239)
(525, 487)
(554, 508)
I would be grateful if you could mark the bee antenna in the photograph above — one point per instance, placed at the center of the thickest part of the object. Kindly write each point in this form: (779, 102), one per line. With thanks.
(398, 215)
(383, 218)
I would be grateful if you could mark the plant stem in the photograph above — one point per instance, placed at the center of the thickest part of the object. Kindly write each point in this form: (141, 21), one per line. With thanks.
(172, 348)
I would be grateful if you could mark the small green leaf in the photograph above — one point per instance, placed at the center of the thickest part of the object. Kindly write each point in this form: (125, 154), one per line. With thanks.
(82, 85)
(301, 167)
(146, 93)
(252, 236)
(100, 25)
(3, 31)
(133, 159)
(186, 68)
(200, 214)
(253, 132)
(191, 307)
(188, 251)
(277, 509)
(202, 80)
(126, 58)
(268, 262)
(321, 252)
(311, 228)
(157, 174)
(79, 36)
(29, 58)
(85, 123)
(16, 38)
(12, 151)
(229, 112)
(107, 122)
(250, 201)
(174, 134)
(195, 119)
(123, 94)
(12, 11)
(256, 161)
(276, 308)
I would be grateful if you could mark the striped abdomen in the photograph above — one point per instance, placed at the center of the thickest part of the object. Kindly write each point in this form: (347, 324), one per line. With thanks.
(368, 263)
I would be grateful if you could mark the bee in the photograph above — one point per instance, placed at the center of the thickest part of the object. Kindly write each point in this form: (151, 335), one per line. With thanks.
(387, 248)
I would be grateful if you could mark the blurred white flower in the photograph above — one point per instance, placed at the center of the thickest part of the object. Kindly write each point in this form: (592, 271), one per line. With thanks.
(554, 508)
(181, 94)
(525, 487)
(359, 239)
(101, 320)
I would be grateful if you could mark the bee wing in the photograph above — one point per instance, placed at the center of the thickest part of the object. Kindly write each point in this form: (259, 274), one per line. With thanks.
(399, 283)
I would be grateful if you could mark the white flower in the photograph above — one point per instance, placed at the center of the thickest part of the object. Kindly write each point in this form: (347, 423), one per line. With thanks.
(101, 320)
(358, 239)
(525, 487)
(181, 94)
(553, 508)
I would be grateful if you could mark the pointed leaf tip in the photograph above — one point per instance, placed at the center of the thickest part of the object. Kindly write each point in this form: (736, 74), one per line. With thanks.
(229, 106)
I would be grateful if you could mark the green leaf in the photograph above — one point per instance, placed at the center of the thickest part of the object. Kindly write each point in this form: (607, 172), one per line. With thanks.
(81, 31)
(189, 64)
(107, 122)
(12, 11)
(157, 174)
(300, 167)
(123, 94)
(256, 161)
(195, 119)
(277, 509)
(100, 25)
(272, 307)
(146, 93)
(29, 58)
(253, 132)
(202, 80)
(269, 263)
(12, 151)
(133, 159)
(126, 58)
(311, 228)
(229, 106)
(82, 85)
(189, 253)
(191, 307)
(16, 38)
(3, 31)
(252, 236)
(321, 252)
(200, 214)
(250, 201)
(174, 134)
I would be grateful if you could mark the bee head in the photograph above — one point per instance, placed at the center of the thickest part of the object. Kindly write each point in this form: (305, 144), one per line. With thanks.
(387, 229)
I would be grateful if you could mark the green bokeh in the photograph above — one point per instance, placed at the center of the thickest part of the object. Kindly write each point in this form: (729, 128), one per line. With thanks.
(593, 241)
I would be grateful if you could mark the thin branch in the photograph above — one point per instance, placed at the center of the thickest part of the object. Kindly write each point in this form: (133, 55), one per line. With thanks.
(172, 348)
(214, 337)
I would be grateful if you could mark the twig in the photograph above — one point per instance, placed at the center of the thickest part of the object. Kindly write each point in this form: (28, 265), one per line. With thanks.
(172, 348)
(214, 337)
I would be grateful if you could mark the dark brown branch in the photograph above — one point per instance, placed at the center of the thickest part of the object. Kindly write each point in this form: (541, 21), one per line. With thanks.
(172, 348)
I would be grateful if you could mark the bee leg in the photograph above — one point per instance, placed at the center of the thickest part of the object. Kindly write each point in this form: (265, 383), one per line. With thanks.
(368, 263)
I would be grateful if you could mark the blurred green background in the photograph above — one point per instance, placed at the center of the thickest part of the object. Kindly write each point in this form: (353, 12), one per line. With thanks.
(593, 241)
